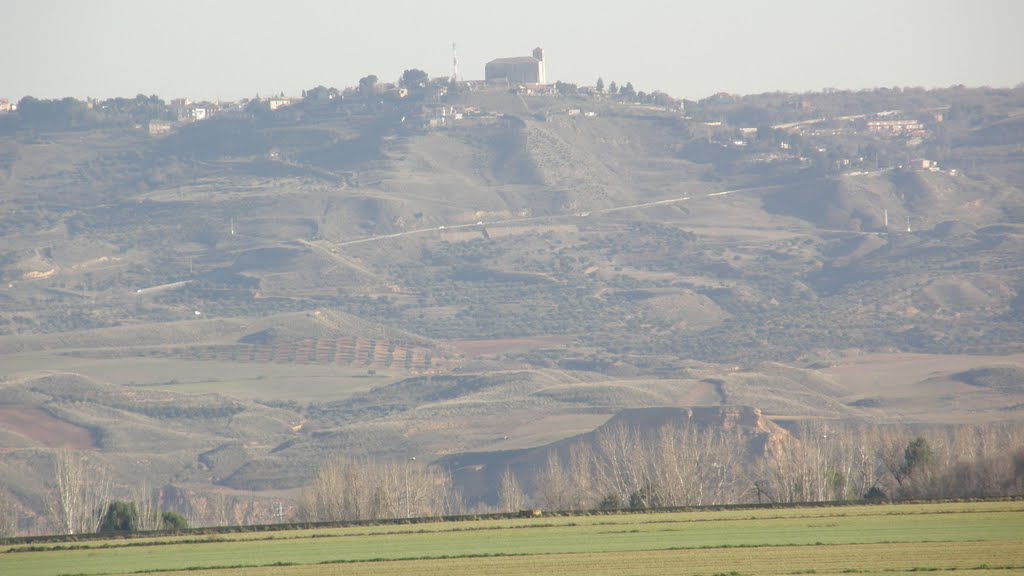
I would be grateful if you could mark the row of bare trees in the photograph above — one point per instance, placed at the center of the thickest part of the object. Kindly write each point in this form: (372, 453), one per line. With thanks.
(80, 498)
(684, 465)
(848, 462)
(354, 489)
(624, 467)
(679, 465)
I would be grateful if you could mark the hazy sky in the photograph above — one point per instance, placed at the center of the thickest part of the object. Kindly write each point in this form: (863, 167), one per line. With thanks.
(225, 49)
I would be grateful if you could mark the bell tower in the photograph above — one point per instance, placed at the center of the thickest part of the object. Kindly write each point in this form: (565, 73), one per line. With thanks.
(538, 54)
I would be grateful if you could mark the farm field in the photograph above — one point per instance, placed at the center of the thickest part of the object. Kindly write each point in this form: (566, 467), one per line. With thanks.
(973, 538)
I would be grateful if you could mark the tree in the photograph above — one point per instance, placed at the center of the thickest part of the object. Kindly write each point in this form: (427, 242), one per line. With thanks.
(890, 453)
(917, 455)
(173, 521)
(565, 88)
(613, 88)
(414, 79)
(627, 91)
(610, 502)
(345, 489)
(120, 517)
(918, 459)
(600, 84)
(621, 461)
(8, 516)
(510, 495)
(875, 494)
(552, 485)
(79, 495)
(146, 502)
(368, 85)
(648, 496)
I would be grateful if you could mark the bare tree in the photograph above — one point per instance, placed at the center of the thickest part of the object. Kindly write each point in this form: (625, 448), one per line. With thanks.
(890, 444)
(8, 515)
(510, 495)
(552, 485)
(723, 458)
(146, 502)
(80, 494)
(622, 466)
(345, 489)
(580, 476)
(864, 471)
(335, 493)
(674, 467)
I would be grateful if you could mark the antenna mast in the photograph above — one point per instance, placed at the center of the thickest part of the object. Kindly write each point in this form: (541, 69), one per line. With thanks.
(455, 64)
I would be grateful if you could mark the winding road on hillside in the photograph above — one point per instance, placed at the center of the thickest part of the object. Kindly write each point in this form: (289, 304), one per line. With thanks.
(332, 247)
(552, 216)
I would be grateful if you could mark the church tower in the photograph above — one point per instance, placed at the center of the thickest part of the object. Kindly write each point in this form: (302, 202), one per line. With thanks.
(538, 53)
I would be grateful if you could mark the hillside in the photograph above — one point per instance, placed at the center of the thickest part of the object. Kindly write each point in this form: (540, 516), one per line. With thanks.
(216, 309)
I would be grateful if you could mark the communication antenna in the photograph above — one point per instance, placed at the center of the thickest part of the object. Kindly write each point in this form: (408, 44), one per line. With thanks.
(280, 513)
(455, 64)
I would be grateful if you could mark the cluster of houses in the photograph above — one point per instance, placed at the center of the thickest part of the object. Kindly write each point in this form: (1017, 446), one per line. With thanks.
(892, 130)
(520, 74)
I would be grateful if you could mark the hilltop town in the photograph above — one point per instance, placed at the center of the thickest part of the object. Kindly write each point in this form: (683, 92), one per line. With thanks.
(843, 135)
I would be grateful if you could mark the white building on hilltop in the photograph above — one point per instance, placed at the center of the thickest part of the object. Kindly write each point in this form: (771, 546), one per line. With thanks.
(517, 70)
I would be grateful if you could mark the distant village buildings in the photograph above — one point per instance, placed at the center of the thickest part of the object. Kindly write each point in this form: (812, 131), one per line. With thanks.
(894, 126)
(158, 127)
(6, 106)
(276, 103)
(517, 70)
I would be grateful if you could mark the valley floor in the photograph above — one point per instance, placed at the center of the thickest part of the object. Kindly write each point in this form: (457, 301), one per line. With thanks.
(973, 537)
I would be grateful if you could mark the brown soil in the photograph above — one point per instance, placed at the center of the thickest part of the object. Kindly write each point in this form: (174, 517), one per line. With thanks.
(37, 425)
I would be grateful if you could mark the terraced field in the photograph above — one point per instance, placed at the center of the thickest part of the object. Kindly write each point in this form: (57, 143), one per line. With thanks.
(353, 351)
(974, 538)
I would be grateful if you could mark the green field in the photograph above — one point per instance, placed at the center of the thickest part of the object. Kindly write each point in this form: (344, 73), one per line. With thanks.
(977, 538)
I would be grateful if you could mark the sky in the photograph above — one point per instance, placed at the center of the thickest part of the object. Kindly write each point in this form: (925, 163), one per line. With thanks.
(229, 49)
